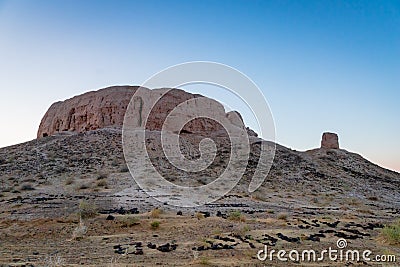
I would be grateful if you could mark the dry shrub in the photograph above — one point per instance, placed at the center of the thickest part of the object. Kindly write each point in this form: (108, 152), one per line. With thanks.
(155, 213)
(87, 210)
(237, 216)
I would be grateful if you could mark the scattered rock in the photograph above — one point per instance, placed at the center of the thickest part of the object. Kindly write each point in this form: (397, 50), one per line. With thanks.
(205, 213)
(316, 237)
(288, 239)
(151, 245)
(222, 215)
(167, 247)
(226, 239)
(138, 251)
(121, 211)
(333, 225)
(110, 217)
(119, 249)
(267, 240)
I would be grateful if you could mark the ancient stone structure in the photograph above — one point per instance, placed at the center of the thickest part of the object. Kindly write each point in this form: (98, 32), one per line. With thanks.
(107, 107)
(89, 111)
(330, 141)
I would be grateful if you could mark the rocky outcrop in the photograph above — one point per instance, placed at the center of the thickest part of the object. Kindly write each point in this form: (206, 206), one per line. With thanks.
(89, 111)
(107, 107)
(330, 141)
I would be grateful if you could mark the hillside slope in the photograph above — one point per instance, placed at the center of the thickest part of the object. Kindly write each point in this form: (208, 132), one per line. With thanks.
(69, 166)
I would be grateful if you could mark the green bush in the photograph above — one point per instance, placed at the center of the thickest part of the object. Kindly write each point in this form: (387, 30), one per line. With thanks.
(236, 216)
(87, 210)
(391, 233)
(155, 224)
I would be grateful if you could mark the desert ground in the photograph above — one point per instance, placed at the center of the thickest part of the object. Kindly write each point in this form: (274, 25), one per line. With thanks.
(70, 200)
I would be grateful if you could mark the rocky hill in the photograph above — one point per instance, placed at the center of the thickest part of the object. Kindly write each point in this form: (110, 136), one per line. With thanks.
(322, 193)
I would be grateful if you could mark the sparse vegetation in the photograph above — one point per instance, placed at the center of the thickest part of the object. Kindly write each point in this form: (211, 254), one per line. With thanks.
(217, 231)
(353, 201)
(87, 210)
(282, 216)
(80, 231)
(365, 210)
(69, 181)
(199, 215)
(237, 216)
(246, 228)
(242, 231)
(155, 213)
(128, 221)
(391, 233)
(204, 261)
(102, 183)
(155, 224)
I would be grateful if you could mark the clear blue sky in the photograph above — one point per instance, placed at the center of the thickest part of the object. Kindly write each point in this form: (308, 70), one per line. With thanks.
(323, 65)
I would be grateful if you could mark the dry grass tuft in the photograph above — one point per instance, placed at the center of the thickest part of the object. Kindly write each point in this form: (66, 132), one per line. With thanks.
(237, 216)
(156, 213)
(282, 216)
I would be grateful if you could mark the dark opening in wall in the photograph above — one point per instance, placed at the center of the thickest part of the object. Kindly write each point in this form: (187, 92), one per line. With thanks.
(45, 134)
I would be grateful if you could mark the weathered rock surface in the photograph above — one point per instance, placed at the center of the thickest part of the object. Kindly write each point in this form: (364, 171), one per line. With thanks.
(107, 107)
(330, 141)
(89, 111)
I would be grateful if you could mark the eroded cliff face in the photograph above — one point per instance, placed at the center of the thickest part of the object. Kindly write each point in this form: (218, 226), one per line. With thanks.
(89, 111)
(107, 107)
